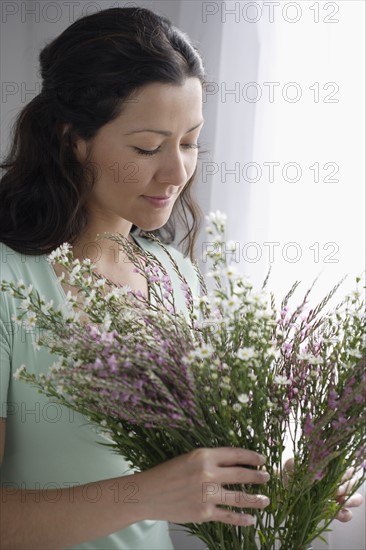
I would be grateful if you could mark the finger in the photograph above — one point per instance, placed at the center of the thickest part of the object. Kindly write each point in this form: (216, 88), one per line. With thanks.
(352, 502)
(231, 518)
(241, 499)
(290, 465)
(242, 475)
(346, 487)
(344, 515)
(348, 474)
(228, 456)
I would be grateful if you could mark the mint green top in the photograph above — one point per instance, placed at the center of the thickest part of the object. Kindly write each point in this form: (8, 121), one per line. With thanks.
(47, 446)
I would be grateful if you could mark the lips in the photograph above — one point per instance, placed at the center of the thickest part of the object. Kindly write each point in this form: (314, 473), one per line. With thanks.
(162, 197)
(159, 201)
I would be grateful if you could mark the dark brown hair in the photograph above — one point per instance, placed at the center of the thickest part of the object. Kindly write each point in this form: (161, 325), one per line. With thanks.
(88, 72)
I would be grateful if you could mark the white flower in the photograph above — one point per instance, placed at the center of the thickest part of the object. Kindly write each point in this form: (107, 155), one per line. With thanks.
(75, 270)
(56, 366)
(20, 284)
(213, 273)
(216, 217)
(223, 402)
(316, 361)
(30, 321)
(25, 304)
(70, 297)
(203, 352)
(243, 398)
(237, 407)
(17, 319)
(260, 314)
(216, 240)
(46, 307)
(19, 371)
(28, 290)
(100, 283)
(231, 246)
(252, 376)
(245, 353)
(355, 353)
(36, 345)
(281, 380)
(60, 253)
(229, 271)
(310, 358)
(273, 352)
(107, 321)
(61, 277)
(231, 303)
(116, 293)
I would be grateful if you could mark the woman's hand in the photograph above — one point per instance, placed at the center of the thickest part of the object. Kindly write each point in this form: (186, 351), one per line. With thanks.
(189, 488)
(343, 490)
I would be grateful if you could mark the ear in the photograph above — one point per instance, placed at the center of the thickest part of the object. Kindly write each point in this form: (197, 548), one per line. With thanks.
(80, 148)
(78, 144)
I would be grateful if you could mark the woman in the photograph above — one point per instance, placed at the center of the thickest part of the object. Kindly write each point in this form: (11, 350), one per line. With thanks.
(109, 145)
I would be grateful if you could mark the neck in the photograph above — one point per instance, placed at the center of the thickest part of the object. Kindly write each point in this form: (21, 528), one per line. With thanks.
(103, 252)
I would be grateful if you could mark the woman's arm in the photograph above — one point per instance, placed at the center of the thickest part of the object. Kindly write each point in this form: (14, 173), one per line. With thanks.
(185, 489)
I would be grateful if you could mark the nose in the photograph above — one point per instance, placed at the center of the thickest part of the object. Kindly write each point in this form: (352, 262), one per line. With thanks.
(173, 169)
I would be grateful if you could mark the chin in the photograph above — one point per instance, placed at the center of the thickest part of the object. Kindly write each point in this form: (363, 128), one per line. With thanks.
(148, 228)
(152, 226)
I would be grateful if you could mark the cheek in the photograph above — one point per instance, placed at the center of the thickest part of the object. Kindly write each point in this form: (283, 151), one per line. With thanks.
(132, 176)
(192, 166)
(118, 173)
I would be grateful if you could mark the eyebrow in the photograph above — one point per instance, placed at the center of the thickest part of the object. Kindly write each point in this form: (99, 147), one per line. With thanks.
(162, 132)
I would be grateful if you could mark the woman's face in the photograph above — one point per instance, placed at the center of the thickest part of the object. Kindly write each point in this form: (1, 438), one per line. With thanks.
(148, 151)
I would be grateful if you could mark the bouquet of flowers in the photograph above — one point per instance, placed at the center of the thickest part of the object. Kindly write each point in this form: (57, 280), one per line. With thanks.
(236, 371)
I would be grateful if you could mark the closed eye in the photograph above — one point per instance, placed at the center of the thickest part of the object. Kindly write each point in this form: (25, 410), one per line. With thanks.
(149, 153)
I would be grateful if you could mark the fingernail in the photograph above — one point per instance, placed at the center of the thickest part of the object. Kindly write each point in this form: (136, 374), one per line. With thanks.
(266, 477)
(265, 500)
(251, 520)
(262, 460)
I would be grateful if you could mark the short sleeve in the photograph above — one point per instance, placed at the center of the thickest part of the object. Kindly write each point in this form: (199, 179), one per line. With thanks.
(192, 277)
(187, 270)
(5, 356)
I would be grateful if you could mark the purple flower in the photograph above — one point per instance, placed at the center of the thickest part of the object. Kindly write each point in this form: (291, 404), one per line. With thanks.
(93, 331)
(98, 364)
(113, 364)
(339, 422)
(332, 399)
(319, 475)
(308, 426)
